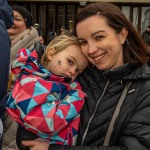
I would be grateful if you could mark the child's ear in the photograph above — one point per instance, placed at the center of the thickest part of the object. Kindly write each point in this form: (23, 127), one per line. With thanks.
(50, 53)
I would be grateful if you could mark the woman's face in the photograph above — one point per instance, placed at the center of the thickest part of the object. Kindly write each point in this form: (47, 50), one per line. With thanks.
(18, 26)
(100, 44)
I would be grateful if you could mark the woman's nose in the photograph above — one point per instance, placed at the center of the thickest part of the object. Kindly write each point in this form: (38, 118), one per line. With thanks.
(92, 48)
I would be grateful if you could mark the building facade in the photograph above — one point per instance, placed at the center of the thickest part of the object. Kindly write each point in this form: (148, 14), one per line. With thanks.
(52, 14)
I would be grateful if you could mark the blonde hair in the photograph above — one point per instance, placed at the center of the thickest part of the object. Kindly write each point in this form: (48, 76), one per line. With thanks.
(59, 43)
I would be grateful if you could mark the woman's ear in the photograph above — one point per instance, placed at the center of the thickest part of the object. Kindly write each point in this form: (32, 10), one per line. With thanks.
(123, 35)
(50, 53)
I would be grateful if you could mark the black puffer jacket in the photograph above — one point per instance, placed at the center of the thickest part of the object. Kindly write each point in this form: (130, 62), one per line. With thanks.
(132, 126)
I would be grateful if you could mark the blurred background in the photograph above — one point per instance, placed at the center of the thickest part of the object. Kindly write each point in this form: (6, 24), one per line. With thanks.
(50, 15)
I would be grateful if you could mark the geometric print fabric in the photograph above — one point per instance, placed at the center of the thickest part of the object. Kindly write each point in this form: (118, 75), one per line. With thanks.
(44, 103)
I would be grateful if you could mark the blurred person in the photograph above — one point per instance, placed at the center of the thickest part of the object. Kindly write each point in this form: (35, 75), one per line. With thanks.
(71, 32)
(146, 37)
(63, 30)
(22, 33)
(41, 40)
(42, 44)
(6, 21)
(52, 35)
(37, 27)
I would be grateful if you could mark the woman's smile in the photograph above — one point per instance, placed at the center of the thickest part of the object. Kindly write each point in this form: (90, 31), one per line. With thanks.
(100, 43)
(99, 57)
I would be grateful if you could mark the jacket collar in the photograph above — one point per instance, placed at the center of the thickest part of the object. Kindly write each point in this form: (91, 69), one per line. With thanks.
(115, 74)
(126, 72)
(119, 72)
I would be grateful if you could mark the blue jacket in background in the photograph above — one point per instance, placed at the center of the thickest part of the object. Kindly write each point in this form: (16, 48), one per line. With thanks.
(6, 14)
(6, 21)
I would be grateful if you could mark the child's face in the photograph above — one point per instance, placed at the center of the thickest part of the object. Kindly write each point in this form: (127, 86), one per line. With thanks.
(69, 62)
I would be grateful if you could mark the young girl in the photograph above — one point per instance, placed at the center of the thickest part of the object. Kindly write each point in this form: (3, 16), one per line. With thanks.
(46, 100)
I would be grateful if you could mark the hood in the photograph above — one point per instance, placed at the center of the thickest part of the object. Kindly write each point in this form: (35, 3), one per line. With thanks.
(142, 72)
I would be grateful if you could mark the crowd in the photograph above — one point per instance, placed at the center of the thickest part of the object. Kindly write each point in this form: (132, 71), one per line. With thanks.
(89, 89)
(146, 37)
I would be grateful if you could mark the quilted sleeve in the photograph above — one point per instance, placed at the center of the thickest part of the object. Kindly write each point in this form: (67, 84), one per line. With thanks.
(43, 106)
(21, 59)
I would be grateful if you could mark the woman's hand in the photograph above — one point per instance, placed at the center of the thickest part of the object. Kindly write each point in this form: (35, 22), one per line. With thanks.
(37, 144)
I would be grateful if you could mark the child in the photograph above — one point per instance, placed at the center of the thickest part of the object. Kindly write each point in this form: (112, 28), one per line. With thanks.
(46, 100)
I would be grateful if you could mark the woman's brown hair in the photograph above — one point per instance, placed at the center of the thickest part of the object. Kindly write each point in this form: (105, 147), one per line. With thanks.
(134, 49)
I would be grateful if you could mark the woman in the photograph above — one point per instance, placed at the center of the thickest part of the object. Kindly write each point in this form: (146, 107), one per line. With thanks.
(22, 34)
(119, 56)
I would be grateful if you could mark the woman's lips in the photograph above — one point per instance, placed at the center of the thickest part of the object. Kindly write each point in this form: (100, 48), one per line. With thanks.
(98, 58)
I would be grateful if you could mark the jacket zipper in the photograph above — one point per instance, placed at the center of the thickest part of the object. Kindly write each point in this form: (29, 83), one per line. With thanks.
(89, 122)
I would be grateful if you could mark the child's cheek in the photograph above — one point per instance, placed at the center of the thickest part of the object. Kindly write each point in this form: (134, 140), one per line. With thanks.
(58, 65)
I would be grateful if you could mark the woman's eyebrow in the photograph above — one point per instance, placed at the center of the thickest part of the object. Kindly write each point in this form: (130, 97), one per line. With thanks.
(100, 31)
(97, 32)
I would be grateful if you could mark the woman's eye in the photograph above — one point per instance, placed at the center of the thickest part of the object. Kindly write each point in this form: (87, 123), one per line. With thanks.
(17, 19)
(70, 62)
(99, 37)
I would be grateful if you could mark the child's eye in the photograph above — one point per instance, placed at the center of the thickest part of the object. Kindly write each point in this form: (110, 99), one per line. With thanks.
(70, 62)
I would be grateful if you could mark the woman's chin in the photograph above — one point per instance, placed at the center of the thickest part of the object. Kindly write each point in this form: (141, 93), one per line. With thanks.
(11, 32)
(101, 66)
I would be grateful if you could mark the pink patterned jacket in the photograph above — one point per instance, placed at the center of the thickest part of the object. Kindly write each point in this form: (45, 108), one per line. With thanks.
(44, 103)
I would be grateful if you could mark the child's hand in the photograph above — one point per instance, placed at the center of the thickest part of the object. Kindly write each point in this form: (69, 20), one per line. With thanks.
(37, 144)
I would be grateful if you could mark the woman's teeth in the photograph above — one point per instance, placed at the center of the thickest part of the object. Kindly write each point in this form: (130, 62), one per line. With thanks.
(98, 58)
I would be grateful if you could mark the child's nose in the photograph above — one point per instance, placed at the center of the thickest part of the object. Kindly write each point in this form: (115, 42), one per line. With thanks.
(72, 71)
